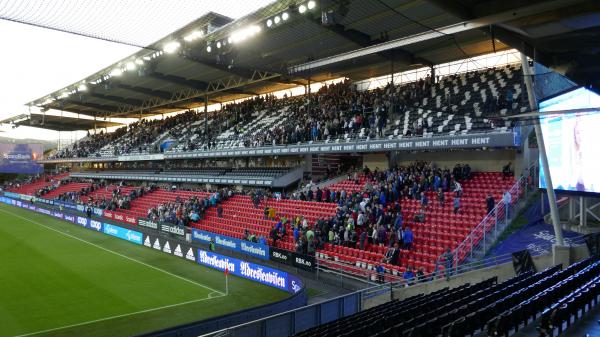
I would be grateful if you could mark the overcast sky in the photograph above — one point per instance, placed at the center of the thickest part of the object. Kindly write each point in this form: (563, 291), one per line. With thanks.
(37, 61)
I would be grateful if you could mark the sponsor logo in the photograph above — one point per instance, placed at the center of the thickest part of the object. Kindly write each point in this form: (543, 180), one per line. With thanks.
(147, 223)
(177, 251)
(295, 287)
(70, 218)
(82, 221)
(262, 275)
(201, 236)
(167, 247)
(302, 261)
(190, 255)
(122, 233)
(216, 261)
(221, 241)
(279, 255)
(173, 229)
(147, 242)
(44, 211)
(130, 219)
(118, 217)
(156, 244)
(108, 214)
(253, 249)
(96, 225)
(57, 215)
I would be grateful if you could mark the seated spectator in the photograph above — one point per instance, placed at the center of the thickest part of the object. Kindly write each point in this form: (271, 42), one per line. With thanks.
(408, 276)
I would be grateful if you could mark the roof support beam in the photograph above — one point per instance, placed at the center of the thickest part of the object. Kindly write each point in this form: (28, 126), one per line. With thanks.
(99, 107)
(495, 18)
(144, 91)
(364, 40)
(116, 99)
(454, 8)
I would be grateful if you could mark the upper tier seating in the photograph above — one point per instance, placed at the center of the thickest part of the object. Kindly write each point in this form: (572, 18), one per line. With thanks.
(456, 104)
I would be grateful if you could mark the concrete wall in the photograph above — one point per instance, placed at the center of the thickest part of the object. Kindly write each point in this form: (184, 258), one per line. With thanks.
(486, 161)
(376, 160)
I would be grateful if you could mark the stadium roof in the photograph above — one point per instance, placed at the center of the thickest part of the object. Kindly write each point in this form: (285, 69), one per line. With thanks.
(58, 123)
(219, 59)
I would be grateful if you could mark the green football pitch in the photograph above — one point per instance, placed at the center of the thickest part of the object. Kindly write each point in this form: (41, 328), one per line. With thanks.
(59, 279)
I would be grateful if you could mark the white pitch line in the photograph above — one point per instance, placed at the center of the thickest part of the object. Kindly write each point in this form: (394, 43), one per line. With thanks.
(113, 252)
(119, 316)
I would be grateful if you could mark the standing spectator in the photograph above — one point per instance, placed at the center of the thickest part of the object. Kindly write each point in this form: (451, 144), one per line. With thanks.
(507, 198)
(266, 212)
(506, 171)
(441, 197)
(489, 201)
(448, 259)
(363, 240)
(456, 204)
(219, 211)
(408, 238)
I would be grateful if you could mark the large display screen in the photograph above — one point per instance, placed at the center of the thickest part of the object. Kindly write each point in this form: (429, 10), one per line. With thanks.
(572, 141)
(21, 158)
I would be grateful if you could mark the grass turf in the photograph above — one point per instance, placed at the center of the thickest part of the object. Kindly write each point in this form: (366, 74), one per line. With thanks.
(59, 279)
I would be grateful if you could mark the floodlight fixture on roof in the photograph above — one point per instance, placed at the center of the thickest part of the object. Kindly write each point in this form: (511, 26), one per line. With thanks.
(82, 87)
(311, 4)
(277, 19)
(139, 62)
(302, 9)
(285, 16)
(193, 36)
(171, 47)
(269, 23)
(116, 72)
(130, 66)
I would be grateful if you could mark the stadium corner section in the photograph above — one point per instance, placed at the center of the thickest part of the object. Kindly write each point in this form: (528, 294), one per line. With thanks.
(173, 246)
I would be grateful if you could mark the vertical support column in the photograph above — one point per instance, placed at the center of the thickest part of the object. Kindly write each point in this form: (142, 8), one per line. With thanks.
(308, 93)
(543, 156)
(571, 208)
(582, 212)
(206, 117)
(392, 66)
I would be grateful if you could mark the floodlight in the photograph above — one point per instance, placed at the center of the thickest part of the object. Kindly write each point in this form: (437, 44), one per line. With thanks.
(139, 62)
(64, 95)
(130, 66)
(269, 23)
(285, 16)
(147, 58)
(230, 39)
(219, 44)
(208, 49)
(48, 101)
(302, 9)
(116, 72)
(277, 19)
(311, 4)
(82, 87)
(171, 47)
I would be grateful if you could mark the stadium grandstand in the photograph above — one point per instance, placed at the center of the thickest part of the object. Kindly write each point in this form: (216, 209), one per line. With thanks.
(317, 168)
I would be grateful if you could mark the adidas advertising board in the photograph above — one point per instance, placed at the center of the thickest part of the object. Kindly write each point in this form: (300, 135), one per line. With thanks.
(173, 247)
(172, 229)
(147, 223)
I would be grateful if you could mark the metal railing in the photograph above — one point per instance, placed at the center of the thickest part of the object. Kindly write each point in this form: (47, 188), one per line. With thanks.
(484, 235)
